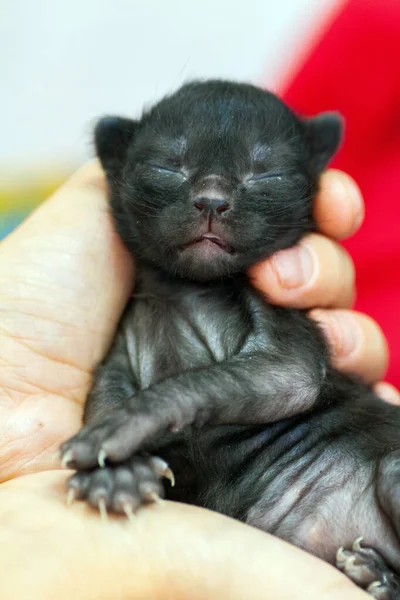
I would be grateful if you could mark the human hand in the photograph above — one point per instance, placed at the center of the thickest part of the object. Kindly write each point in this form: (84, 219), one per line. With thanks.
(65, 278)
(170, 551)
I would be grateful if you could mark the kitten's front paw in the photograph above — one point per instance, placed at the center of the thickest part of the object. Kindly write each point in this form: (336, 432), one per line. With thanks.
(121, 488)
(113, 439)
(368, 570)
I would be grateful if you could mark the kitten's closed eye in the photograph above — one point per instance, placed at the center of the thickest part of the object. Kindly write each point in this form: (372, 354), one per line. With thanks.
(172, 169)
(278, 175)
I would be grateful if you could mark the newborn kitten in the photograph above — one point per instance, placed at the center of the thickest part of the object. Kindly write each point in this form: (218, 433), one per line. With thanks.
(236, 395)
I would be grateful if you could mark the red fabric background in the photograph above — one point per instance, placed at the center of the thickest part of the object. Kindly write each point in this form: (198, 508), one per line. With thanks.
(355, 68)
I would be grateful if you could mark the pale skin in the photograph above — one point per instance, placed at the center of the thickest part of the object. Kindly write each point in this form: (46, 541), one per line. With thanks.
(64, 280)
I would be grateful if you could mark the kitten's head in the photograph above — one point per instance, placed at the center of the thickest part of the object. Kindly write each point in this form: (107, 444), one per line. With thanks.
(215, 177)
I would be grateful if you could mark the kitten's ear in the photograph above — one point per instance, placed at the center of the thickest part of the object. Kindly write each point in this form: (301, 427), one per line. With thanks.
(324, 133)
(112, 136)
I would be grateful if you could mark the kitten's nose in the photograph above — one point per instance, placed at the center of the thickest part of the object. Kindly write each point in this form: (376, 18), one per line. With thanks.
(211, 205)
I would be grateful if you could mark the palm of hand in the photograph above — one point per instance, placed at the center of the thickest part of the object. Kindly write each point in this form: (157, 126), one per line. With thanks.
(64, 280)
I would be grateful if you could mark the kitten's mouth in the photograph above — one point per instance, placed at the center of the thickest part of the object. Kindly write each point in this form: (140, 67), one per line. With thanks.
(209, 240)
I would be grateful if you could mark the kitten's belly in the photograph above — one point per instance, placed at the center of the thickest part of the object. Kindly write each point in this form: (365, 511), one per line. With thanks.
(315, 495)
(334, 512)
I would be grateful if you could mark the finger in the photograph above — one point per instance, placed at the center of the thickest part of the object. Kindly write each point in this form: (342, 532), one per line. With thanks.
(387, 392)
(357, 343)
(339, 206)
(175, 551)
(315, 272)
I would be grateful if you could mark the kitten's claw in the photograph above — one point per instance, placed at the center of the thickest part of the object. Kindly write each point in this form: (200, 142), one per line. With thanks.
(101, 458)
(374, 585)
(66, 458)
(127, 508)
(341, 557)
(367, 569)
(71, 496)
(350, 562)
(162, 469)
(154, 497)
(103, 509)
(357, 544)
(169, 474)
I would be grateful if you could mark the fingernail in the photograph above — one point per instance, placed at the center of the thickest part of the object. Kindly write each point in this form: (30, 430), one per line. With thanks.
(344, 334)
(295, 267)
(387, 392)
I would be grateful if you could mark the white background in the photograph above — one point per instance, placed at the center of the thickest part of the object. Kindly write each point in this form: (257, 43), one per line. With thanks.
(64, 63)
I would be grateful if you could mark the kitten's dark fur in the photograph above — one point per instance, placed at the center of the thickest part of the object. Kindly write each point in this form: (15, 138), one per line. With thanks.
(237, 395)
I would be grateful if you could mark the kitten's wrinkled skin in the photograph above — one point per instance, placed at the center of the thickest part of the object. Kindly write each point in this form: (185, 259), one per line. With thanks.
(237, 396)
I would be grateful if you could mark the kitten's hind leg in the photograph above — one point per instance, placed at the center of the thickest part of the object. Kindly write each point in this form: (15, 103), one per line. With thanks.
(368, 570)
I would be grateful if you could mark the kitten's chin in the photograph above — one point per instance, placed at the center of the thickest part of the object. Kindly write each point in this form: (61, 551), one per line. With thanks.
(205, 261)
(207, 249)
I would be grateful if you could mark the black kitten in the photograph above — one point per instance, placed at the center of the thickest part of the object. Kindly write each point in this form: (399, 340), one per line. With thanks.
(237, 395)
